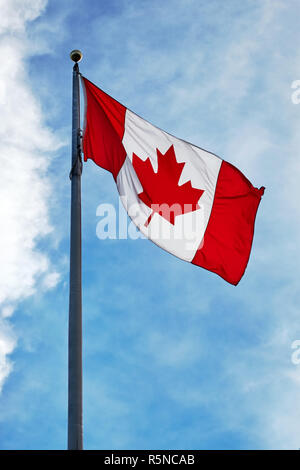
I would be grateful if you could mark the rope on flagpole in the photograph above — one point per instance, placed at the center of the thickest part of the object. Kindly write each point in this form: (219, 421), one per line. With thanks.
(77, 165)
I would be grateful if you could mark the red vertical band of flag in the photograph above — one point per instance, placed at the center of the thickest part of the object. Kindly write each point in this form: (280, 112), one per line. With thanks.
(228, 237)
(104, 129)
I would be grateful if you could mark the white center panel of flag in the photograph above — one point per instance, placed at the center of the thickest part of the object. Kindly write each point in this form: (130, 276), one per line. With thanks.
(201, 168)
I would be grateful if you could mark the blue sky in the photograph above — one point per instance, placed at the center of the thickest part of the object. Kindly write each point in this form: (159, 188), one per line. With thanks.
(174, 357)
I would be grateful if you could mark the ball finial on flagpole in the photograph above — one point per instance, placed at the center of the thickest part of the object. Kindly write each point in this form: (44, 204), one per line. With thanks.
(76, 55)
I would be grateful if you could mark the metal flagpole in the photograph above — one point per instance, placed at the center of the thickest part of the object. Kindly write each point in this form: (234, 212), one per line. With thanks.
(75, 429)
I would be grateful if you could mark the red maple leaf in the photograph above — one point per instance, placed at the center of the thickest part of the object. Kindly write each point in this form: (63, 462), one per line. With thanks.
(161, 191)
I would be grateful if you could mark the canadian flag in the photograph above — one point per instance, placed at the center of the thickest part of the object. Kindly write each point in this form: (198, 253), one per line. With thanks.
(185, 199)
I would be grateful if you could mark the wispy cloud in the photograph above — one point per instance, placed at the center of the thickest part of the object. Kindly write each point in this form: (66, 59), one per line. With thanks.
(25, 152)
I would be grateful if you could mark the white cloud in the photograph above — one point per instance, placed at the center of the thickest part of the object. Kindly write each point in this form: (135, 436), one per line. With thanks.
(7, 345)
(25, 143)
(50, 280)
(16, 13)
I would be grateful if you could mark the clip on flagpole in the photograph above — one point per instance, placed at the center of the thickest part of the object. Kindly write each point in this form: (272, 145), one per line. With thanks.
(75, 427)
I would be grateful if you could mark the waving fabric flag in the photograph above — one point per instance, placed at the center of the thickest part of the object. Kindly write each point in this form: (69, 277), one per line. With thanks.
(185, 199)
